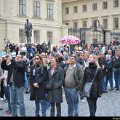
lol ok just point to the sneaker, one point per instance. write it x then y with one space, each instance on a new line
5 101
83 101
27 92
18 106
8 112
116 89
1 108
105 91
1 98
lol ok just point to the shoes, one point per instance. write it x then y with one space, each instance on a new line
8 112
104 91
83 101
1 108
1 98
5 101
111 89
27 91
116 89
18 106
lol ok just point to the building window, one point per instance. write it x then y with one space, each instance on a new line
67 24
116 23
22 37
49 37
22 7
50 11
36 9
105 23
75 25
95 41
67 10
75 9
94 6
105 5
84 24
95 24
116 3
84 8
36 36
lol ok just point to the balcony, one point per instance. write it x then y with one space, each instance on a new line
64 1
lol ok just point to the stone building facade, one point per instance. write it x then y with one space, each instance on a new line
83 13
45 16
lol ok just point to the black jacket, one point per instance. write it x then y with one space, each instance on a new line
18 73
40 78
116 62
97 83
102 61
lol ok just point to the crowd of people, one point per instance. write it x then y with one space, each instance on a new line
47 75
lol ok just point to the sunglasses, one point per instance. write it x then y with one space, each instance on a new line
37 58
71 57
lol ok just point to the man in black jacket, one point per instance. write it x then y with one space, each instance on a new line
102 63
116 68
15 80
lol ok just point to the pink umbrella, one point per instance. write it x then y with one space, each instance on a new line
70 40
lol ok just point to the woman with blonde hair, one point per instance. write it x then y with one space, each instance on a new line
96 89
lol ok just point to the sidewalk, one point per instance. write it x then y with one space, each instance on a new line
108 105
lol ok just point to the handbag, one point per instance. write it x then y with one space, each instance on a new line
88 85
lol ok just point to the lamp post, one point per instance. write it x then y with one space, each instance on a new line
96 26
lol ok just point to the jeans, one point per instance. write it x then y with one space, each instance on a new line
43 107
110 79
117 78
26 81
72 98
16 94
47 103
7 95
92 106
104 83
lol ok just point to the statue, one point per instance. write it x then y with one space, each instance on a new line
28 30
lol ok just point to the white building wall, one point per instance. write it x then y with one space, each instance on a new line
10 12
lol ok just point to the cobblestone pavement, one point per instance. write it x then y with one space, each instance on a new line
108 105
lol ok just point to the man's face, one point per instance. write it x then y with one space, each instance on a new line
109 52
19 58
72 60
118 53
102 55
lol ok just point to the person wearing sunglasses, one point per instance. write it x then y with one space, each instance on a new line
38 77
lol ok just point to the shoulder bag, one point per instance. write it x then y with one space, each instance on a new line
88 85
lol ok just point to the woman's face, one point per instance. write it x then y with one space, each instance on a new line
37 59
91 59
